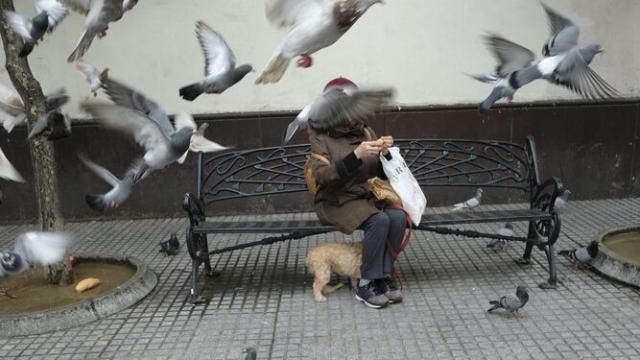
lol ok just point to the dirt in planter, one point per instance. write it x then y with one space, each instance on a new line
29 291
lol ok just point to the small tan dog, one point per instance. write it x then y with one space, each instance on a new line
342 258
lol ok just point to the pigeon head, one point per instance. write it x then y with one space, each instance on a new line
40 24
522 293
479 192
10 261
181 140
593 249
241 71
589 52
342 83
508 226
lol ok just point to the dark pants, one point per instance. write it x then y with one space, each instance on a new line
389 224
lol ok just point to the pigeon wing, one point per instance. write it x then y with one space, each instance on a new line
89 71
80 6
574 73
200 143
184 120
42 248
20 24
564 33
300 122
511 56
128 97
334 107
219 57
557 22
288 13
56 11
103 173
146 131
10 102
7 171
510 302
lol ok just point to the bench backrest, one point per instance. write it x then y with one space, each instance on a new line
235 174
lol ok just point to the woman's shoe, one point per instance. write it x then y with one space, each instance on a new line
372 296
390 290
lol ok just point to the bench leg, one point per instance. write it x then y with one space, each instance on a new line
195 297
552 283
526 257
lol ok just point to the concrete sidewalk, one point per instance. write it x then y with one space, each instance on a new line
263 299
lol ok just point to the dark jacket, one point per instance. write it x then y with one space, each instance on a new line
343 198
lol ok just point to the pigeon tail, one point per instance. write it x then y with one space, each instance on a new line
496 305
191 92
96 202
495 95
274 70
81 48
27 48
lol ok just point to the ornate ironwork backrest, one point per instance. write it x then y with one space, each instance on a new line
438 162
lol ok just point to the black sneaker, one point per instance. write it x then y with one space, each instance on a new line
390 290
371 296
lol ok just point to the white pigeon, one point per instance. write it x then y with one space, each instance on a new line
500 244
220 69
34 249
469 204
92 74
149 124
560 204
99 13
312 25
7 171
49 13
11 109
121 188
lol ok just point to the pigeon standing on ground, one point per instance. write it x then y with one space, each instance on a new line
312 25
560 203
500 244
581 255
49 13
34 249
7 171
171 246
93 75
99 14
511 303
11 109
250 353
121 188
565 63
220 65
469 204
138 115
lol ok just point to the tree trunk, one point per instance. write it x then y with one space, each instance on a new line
42 152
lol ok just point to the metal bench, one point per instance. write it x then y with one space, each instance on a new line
436 163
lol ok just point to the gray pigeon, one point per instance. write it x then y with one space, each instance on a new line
560 204
312 25
99 13
469 204
500 244
338 106
92 74
121 188
511 303
7 171
582 255
52 119
141 117
220 68
565 63
250 353
49 14
34 249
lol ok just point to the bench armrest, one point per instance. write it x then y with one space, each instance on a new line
194 208
544 195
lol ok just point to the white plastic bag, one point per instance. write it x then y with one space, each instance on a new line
404 184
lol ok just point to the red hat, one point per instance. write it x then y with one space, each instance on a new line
341 83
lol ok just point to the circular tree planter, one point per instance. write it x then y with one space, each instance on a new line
125 281
619 255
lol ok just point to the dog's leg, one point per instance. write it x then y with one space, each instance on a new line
322 277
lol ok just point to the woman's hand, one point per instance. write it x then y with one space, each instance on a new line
368 148
387 142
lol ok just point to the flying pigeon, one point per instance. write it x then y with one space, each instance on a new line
34 249
171 246
564 63
500 244
121 188
138 115
11 109
92 74
312 25
220 69
49 13
99 13
581 255
510 302
52 119
469 204
560 203
7 171
337 106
